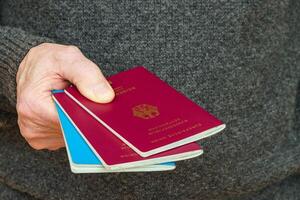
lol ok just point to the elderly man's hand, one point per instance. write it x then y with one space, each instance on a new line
47 67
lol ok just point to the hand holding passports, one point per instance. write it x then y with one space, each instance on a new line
147 123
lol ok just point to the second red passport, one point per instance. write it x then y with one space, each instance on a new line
149 115
112 152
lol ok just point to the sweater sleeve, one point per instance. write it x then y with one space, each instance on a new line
14 44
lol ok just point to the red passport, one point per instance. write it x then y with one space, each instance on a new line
112 152
149 115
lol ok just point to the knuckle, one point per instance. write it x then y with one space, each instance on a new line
22 105
71 49
38 47
21 109
43 50
36 145
68 53
27 134
43 54
32 51
45 44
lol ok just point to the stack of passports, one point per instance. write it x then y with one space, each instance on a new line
147 127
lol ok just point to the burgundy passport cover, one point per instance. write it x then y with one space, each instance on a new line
149 115
113 153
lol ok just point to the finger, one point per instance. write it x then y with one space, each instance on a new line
89 80
30 132
42 124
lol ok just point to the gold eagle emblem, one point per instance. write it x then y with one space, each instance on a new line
145 111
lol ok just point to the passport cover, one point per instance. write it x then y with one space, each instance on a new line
81 157
149 115
111 151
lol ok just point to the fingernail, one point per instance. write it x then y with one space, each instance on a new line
103 91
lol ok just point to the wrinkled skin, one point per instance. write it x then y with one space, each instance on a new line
47 67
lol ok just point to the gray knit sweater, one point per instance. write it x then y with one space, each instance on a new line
238 59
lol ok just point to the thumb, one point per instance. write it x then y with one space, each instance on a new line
90 81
